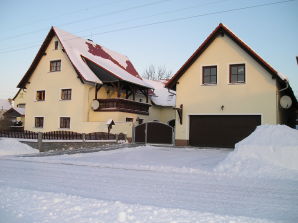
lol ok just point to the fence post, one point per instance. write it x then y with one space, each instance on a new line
39 142
133 133
146 127
116 135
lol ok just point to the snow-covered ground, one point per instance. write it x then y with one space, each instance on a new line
152 184
14 147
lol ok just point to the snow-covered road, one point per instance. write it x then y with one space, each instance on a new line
269 198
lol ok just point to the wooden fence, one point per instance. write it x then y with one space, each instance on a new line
63 135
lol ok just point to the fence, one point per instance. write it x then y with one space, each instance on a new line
63 135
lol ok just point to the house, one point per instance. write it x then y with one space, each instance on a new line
76 85
224 90
16 116
5 104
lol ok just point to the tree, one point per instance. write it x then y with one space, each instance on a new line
161 73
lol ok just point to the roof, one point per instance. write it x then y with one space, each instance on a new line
16 112
161 95
21 111
221 30
4 104
77 48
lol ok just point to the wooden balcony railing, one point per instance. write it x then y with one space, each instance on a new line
123 105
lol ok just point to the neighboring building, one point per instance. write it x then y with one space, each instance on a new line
16 116
76 85
5 104
224 90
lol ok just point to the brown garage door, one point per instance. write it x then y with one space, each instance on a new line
221 130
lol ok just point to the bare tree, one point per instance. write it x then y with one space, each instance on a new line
160 73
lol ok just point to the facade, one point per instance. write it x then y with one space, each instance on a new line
76 85
224 90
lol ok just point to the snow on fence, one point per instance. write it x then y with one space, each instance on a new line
63 135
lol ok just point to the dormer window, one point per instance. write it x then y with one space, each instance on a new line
209 75
55 65
56 45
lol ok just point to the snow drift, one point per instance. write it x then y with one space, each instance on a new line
14 147
268 148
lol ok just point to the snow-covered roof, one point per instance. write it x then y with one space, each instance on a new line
161 95
4 104
115 63
21 111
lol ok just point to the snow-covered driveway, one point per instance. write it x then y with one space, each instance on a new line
152 184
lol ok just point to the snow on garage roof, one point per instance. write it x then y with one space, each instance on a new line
115 63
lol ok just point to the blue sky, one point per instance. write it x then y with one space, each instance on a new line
270 30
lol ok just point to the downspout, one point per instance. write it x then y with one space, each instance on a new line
286 87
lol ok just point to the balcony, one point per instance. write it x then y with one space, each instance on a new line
122 105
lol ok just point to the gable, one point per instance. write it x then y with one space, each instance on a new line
41 52
221 30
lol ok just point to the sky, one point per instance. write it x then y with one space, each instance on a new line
158 32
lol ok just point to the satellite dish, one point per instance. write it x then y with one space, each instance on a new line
95 104
285 102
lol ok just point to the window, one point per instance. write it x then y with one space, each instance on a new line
55 65
210 75
237 73
64 122
40 95
56 45
141 121
38 122
129 119
66 94
21 105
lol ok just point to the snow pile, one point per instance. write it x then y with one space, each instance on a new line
14 147
269 149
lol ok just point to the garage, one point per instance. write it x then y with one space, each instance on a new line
222 131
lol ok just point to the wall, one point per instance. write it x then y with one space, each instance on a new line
257 96
20 98
52 82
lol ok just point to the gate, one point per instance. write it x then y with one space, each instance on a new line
153 133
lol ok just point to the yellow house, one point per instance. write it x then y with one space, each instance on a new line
224 90
76 85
